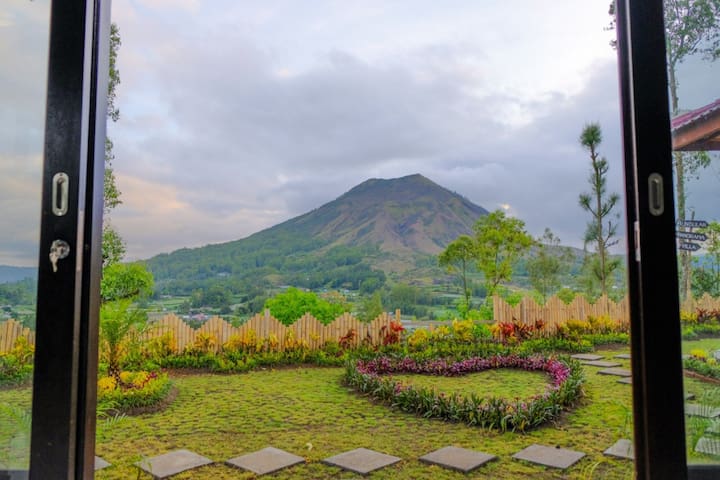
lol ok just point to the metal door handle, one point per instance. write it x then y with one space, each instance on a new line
60 187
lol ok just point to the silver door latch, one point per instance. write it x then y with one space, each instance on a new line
58 250
60 187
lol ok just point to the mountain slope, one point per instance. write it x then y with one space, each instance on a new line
389 225
410 214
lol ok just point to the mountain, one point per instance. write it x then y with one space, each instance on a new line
410 214
379 227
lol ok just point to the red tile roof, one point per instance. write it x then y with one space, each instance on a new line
697 130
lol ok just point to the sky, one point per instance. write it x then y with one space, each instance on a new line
238 115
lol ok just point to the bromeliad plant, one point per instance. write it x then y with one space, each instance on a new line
373 378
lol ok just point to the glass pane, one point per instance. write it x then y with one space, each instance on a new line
23 49
695 109
238 116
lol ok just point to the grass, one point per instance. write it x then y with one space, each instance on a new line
14 425
307 411
225 416
707 344
505 383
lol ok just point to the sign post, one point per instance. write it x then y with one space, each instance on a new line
687 239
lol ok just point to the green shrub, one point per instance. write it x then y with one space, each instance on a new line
135 389
554 344
707 367
607 338
16 366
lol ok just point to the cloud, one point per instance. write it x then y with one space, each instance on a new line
234 124
236 116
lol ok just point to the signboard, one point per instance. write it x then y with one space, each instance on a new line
700 237
689 246
693 224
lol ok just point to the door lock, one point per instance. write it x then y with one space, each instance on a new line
58 250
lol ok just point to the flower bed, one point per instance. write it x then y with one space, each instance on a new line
703 365
373 377
135 392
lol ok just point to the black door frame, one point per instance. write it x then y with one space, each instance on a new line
658 398
64 385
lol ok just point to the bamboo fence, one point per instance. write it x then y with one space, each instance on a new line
10 331
555 312
306 329
309 330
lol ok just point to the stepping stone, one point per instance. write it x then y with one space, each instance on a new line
709 446
586 356
456 458
622 448
361 460
172 463
626 380
549 456
624 356
267 460
100 463
697 410
602 363
620 372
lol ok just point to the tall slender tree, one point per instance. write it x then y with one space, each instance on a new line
113 246
600 205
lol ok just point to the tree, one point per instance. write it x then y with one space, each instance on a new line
126 281
692 27
371 307
121 320
292 304
706 274
500 242
457 257
404 296
600 205
113 246
548 265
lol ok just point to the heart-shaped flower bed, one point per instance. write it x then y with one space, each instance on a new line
373 377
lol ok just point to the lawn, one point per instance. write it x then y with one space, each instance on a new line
308 412
707 344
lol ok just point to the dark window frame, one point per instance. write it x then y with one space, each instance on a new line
658 398
62 439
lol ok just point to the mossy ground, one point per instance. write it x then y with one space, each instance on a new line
225 416
307 411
